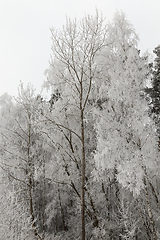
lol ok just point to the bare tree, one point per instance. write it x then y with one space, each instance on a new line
72 71
19 156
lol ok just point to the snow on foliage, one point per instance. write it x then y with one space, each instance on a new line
126 135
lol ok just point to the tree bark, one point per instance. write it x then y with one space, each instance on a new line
150 211
82 180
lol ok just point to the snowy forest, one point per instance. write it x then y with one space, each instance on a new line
84 163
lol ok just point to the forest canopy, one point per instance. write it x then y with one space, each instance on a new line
85 163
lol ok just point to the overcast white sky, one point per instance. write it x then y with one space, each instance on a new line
25 36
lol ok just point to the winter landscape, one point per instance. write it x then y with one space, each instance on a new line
83 162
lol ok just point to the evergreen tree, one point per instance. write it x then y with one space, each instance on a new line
154 91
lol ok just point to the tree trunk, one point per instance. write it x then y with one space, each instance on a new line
150 211
62 212
82 180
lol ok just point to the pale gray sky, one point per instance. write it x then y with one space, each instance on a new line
25 36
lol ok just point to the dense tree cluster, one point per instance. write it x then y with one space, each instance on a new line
153 92
85 163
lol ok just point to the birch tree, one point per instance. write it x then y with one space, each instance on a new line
20 153
126 135
72 71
